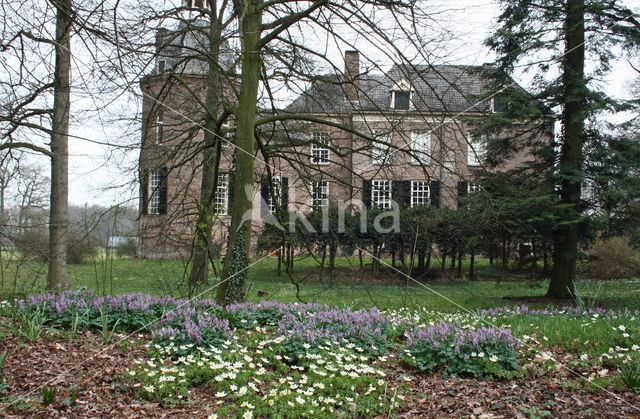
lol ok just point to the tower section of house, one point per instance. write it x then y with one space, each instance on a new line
172 140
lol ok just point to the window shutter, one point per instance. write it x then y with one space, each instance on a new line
264 195
163 191
230 194
284 182
144 192
366 193
462 188
435 193
401 193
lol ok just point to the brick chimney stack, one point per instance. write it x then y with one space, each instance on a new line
352 72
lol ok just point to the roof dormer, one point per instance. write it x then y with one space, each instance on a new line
402 96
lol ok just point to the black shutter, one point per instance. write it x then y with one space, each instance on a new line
434 193
144 192
366 193
230 194
162 208
401 193
284 202
462 188
406 194
264 195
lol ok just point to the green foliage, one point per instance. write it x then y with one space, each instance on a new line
3 382
32 323
48 395
630 376
34 246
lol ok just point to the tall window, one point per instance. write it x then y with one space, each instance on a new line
320 149
160 126
421 147
155 191
476 150
381 194
419 193
221 204
380 152
275 198
161 65
320 194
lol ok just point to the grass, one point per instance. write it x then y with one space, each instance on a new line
349 287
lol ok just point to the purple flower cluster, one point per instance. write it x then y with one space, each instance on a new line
558 311
366 328
83 300
188 324
444 333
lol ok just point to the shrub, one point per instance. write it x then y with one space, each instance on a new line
129 248
613 258
79 249
34 245
484 351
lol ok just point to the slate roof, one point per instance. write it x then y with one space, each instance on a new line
440 88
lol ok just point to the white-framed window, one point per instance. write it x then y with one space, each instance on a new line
320 194
419 193
320 149
402 96
155 182
473 187
381 194
476 149
221 204
275 196
380 149
421 147
160 127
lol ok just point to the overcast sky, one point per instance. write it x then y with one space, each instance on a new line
103 175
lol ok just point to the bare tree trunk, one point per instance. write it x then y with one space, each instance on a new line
236 260
471 263
58 216
210 163
565 249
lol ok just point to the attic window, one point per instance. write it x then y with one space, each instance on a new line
401 95
161 66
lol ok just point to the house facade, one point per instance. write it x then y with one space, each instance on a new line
404 136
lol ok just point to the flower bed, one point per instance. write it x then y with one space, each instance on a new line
484 351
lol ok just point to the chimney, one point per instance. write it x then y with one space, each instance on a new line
161 39
352 72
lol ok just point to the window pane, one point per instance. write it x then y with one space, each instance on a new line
320 194
222 195
155 179
380 149
381 194
277 192
320 154
419 193
421 146
401 100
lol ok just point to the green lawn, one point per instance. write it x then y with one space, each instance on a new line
349 287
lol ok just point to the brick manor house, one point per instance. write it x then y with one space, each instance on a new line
414 148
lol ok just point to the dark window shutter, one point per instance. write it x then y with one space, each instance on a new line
401 193
230 194
144 192
264 195
406 194
163 190
285 193
462 188
434 192
366 193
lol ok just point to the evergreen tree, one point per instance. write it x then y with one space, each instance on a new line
552 38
